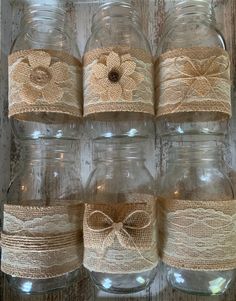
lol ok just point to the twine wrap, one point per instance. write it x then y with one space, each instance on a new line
199 235
120 238
194 80
44 81
118 79
42 242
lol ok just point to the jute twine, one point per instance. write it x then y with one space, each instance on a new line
42 242
194 79
198 235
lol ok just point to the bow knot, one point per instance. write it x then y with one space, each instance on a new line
117 226
126 231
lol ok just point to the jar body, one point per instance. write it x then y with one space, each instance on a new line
120 180
47 181
194 175
116 43
45 77
185 19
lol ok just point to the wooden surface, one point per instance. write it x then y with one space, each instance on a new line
80 14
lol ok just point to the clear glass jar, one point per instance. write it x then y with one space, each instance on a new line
44 28
184 19
116 27
47 177
196 173
120 178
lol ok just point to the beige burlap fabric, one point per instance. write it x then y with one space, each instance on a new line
42 242
194 80
120 238
118 79
198 235
44 81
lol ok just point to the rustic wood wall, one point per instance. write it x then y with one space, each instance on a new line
80 13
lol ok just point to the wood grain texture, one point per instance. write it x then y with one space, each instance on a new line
80 13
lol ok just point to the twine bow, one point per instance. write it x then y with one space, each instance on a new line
99 222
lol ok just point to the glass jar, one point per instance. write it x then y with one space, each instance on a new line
118 72
120 217
44 201
192 72
45 76
195 193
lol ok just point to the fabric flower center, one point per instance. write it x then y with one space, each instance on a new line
114 76
40 76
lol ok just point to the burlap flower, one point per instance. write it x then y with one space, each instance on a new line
40 79
114 77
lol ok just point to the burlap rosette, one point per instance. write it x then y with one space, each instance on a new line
198 235
193 79
118 79
42 242
44 82
120 238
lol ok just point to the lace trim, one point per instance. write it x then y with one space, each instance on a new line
199 235
44 81
120 238
194 79
118 79
42 242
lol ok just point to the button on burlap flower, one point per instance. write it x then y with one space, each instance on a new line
40 78
114 77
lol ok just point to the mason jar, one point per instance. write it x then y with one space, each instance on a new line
192 72
120 221
45 76
42 241
197 201
118 73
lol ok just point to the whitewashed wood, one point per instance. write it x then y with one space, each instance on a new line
80 14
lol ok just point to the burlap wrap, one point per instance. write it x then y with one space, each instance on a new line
44 81
198 235
42 242
194 80
120 238
118 79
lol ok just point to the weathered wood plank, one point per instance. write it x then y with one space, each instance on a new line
80 14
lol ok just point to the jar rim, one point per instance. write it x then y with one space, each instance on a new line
133 15
44 12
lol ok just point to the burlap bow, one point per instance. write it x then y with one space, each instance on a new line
126 231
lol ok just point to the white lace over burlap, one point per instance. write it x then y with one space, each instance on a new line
199 235
44 81
42 242
194 80
120 238
118 79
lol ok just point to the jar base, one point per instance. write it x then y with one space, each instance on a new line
123 283
39 286
202 283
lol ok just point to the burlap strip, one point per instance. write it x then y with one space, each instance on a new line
198 235
44 81
194 79
42 242
118 79
120 238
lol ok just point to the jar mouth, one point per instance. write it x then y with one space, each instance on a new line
187 8
44 13
117 9
118 148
